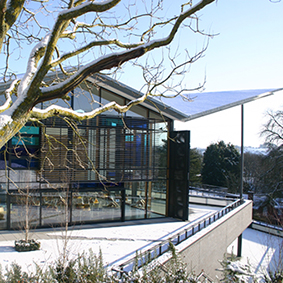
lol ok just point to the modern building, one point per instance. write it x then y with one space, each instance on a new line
111 168
114 167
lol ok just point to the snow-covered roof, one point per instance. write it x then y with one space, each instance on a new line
197 105
183 108
192 106
130 93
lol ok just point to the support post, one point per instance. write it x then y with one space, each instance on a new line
239 252
242 152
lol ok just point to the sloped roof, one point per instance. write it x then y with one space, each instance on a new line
195 106
201 104
130 93
179 108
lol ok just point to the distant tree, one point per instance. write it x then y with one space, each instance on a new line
252 171
273 129
221 166
195 166
272 177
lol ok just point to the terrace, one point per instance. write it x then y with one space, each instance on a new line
201 241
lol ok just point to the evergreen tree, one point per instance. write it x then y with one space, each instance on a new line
221 166
195 166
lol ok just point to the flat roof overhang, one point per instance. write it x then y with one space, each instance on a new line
177 108
203 104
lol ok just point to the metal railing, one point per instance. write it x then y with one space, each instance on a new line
154 252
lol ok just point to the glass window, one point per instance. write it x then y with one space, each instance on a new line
3 207
54 207
24 149
24 204
96 206
135 200
137 111
156 194
25 141
106 97
29 130
155 115
59 102
111 121
56 131
86 99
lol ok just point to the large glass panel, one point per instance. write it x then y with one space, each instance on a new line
156 205
86 99
25 141
3 207
55 208
145 200
30 130
107 96
96 206
137 111
25 179
58 102
55 154
25 209
3 158
24 149
135 200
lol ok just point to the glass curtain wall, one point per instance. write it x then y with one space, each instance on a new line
112 167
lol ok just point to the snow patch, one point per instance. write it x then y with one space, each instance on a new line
4 120
31 66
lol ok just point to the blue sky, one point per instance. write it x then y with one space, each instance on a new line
246 54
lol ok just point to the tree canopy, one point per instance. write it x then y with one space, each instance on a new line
195 166
221 166
79 38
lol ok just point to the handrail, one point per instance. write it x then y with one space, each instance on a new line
163 247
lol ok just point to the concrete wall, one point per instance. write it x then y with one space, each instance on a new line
204 250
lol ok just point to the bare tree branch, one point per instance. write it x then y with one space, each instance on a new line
91 34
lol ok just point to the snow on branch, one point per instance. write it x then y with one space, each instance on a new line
115 59
55 110
87 7
8 93
36 53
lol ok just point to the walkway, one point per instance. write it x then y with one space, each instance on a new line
117 241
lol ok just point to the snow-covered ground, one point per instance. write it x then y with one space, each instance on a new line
264 252
120 242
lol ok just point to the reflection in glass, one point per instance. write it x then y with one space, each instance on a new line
54 208
3 207
24 203
96 206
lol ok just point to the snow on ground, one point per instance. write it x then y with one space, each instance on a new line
263 251
119 242
115 243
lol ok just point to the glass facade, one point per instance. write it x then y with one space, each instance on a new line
110 168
